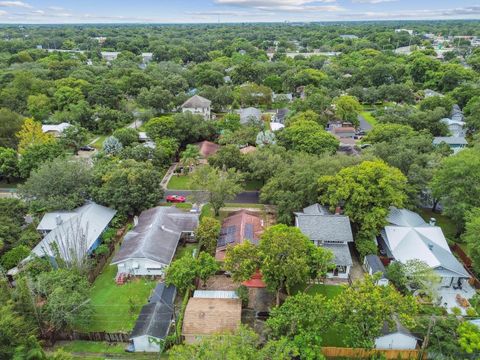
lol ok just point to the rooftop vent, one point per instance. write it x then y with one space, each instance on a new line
433 221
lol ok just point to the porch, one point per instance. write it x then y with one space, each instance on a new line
448 296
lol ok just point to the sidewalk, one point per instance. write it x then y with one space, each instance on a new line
168 176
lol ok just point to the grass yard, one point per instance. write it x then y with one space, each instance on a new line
369 118
329 291
448 225
179 182
96 350
98 144
116 307
184 250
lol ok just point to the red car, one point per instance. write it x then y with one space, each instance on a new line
175 199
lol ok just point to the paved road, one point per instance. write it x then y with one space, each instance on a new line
246 197
364 125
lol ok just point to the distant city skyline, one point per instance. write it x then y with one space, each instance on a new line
213 11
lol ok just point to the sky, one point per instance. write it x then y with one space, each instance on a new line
213 11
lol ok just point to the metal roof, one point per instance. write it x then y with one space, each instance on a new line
450 140
215 294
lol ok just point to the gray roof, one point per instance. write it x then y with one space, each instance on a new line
196 101
375 264
318 224
280 115
249 114
397 328
450 140
341 254
156 235
75 231
155 318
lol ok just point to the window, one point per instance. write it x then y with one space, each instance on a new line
154 269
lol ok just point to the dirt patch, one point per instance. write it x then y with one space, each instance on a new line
221 282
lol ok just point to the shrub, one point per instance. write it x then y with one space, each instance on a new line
456 311
108 235
102 250
242 292
11 258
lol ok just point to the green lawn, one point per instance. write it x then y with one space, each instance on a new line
186 249
329 291
179 182
96 350
116 307
5 185
448 225
99 143
369 118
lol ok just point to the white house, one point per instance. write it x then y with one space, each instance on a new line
153 323
455 143
73 234
332 232
250 114
150 246
373 265
198 105
409 237
398 338
56 130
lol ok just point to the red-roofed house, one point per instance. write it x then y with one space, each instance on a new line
207 148
344 132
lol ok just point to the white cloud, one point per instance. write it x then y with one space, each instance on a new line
284 5
372 1
18 4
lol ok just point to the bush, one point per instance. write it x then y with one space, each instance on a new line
242 292
119 220
456 311
102 250
471 312
11 258
108 235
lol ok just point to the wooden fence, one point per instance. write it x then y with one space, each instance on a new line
93 336
357 353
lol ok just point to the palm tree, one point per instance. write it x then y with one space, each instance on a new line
190 156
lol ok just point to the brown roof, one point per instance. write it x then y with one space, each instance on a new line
248 149
205 316
344 129
237 227
207 148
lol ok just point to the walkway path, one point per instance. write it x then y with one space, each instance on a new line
364 124
168 176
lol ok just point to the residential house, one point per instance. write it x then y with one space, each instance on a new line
332 232
275 126
236 228
207 148
73 234
429 93
150 246
456 144
344 132
249 115
209 316
280 116
398 338
55 130
409 237
288 97
455 127
154 322
373 265
110 55
198 105
404 30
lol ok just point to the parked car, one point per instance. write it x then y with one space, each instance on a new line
175 199
87 148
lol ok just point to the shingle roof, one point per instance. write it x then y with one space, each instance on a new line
74 236
320 225
375 264
156 235
410 237
196 101
238 226
248 114
211 316
341 254
207 148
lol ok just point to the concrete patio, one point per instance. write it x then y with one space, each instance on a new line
448 296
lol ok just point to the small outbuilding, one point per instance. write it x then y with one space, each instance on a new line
373 265
398 338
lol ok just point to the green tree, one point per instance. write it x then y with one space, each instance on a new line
8 164
14 329
472 113
365 192
126 136
207 234
74 137
452 184
242 261
347 108
12 257
471 236
36 155
181 273
10 125
206 266
161 127
31 134
387 133
127 186
309 137
58 184
364 308
190 156
284 261
220 186
469 337
39 106
228 157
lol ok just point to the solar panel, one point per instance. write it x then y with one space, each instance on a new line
227 236
248 234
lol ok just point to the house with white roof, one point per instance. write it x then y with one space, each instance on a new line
455 143
330 231
409 237
56 130
198 105
73 234
250 114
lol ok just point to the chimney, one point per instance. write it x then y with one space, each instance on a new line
338 210
433 221
58 220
